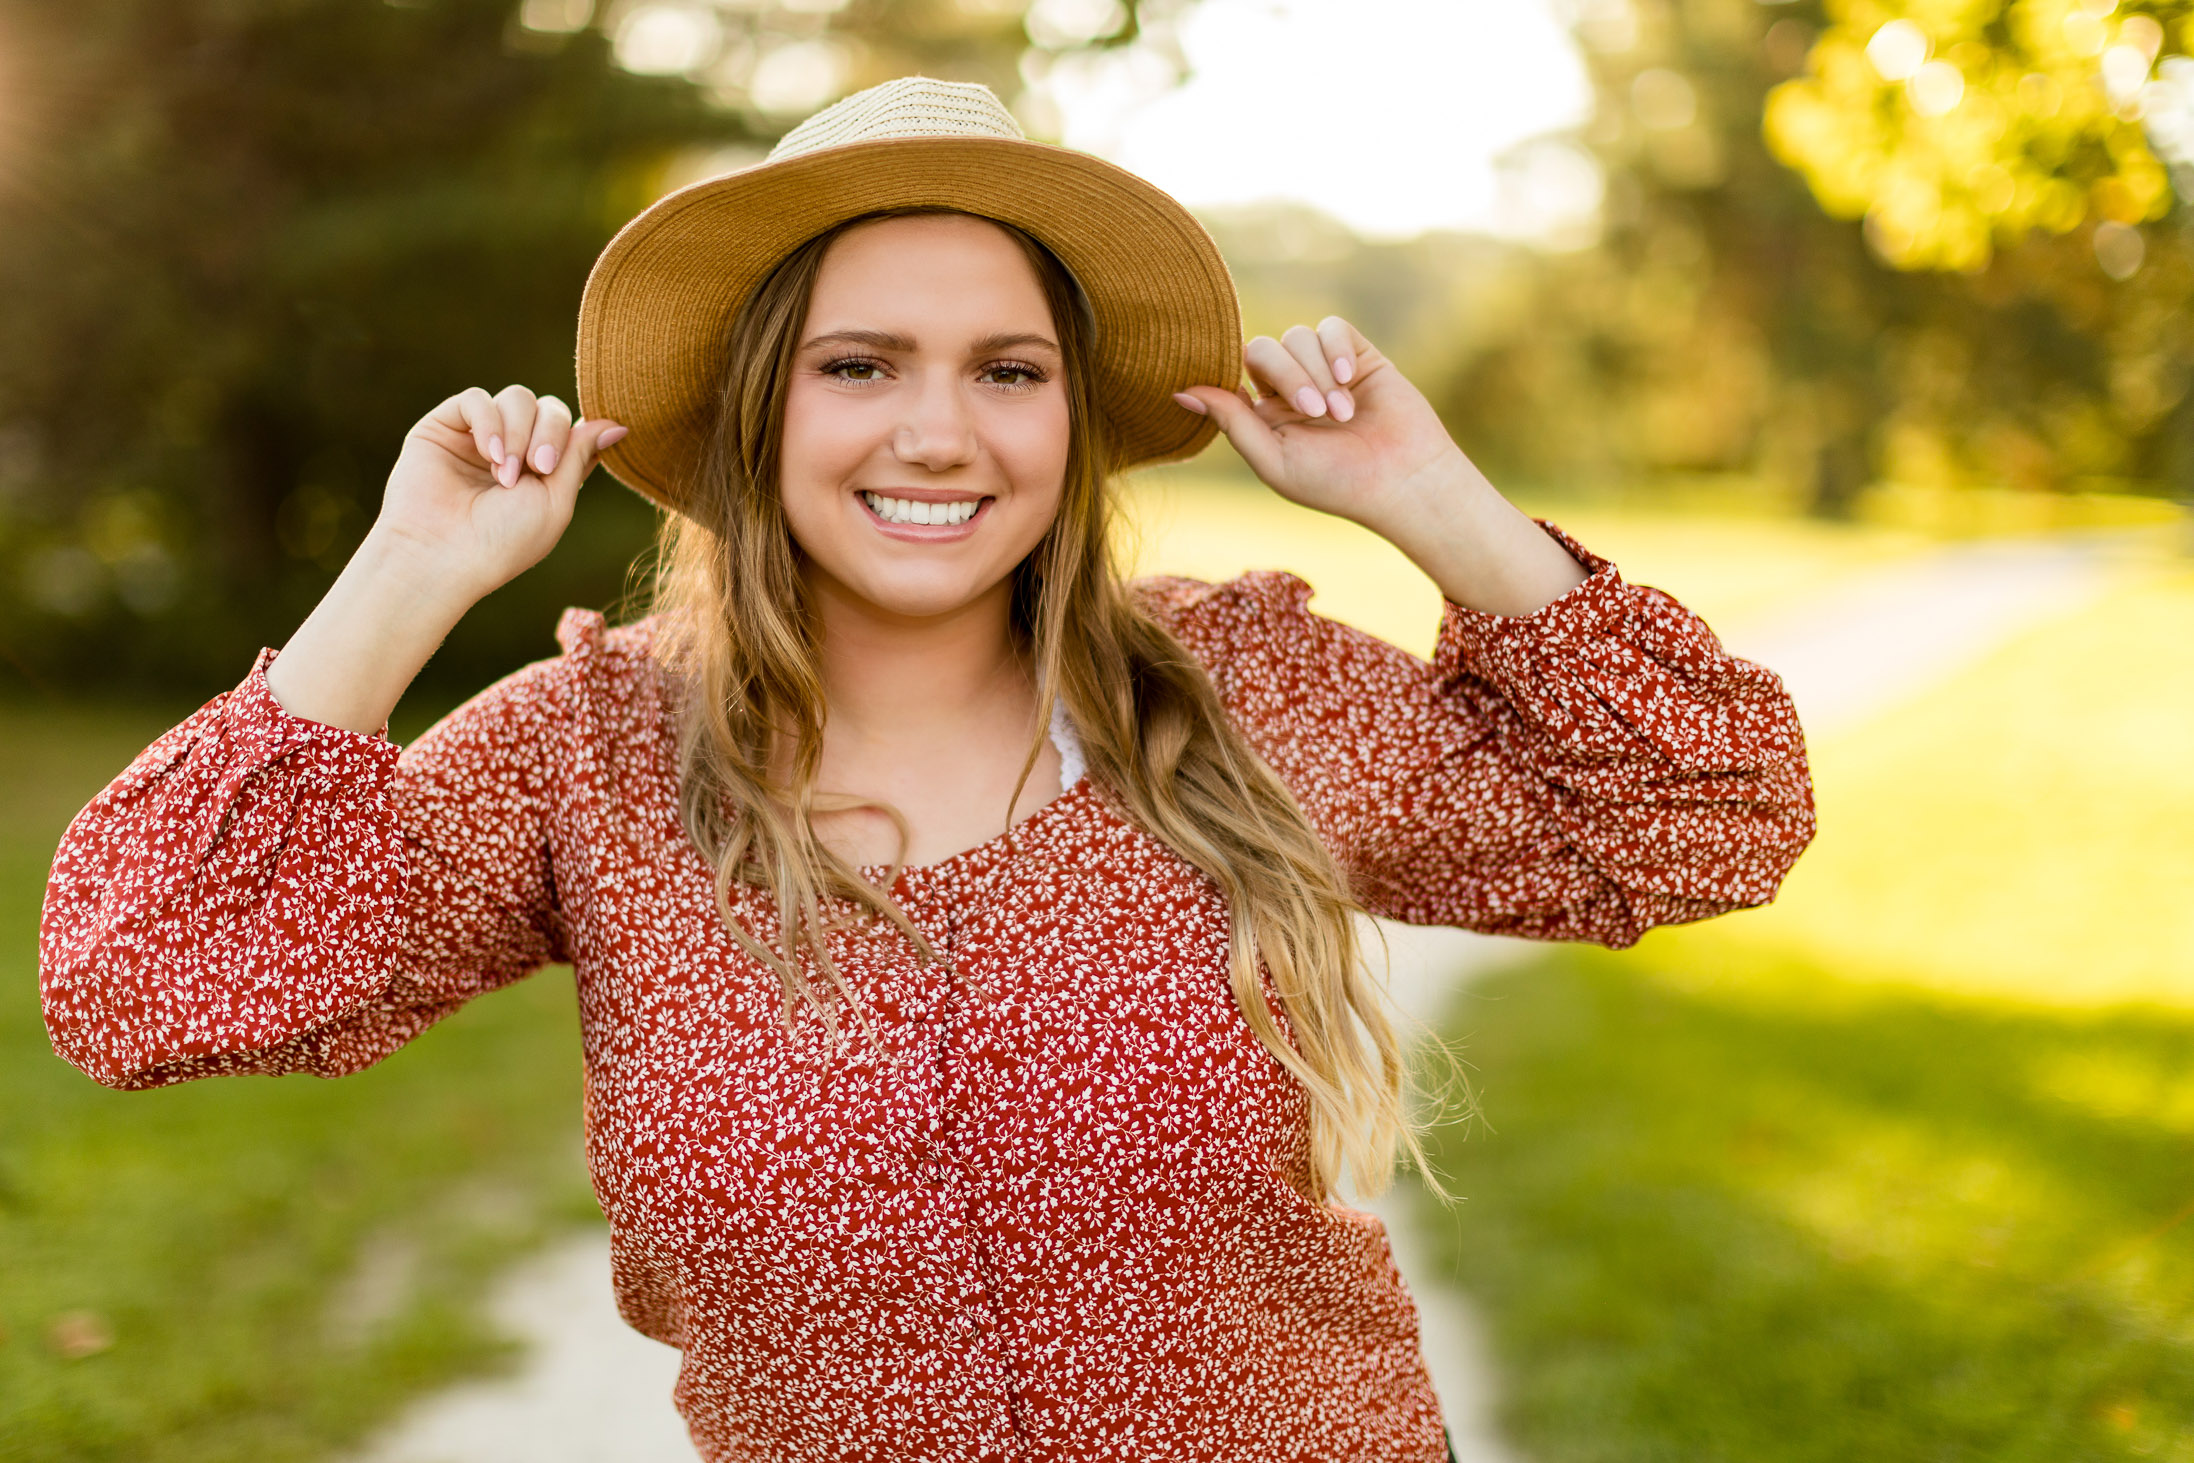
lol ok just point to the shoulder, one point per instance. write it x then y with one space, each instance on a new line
1197 608
604 681
609 675
1255 634
592 647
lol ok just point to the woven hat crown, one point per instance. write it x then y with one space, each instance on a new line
910 106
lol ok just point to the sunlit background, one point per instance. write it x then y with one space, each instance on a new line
1861 326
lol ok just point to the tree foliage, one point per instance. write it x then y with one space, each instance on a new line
244 244
1729 322
1949 125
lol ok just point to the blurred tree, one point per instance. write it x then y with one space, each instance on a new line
244 244
1728 322
1948 126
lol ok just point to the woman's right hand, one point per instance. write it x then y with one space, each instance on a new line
485 485
482 490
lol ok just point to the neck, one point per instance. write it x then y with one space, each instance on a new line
908 681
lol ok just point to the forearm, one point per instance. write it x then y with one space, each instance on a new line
383 618
1478 547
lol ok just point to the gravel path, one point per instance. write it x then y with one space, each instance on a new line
594 1391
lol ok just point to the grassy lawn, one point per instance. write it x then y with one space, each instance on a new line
1869 1224
1903 1166
2021 832
250 1268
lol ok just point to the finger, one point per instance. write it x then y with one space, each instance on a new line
1251 435
1344 346
1278 373
1309 351
582 449
519 408
551 436
471 416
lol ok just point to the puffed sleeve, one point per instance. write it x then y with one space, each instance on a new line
1582 773
262 893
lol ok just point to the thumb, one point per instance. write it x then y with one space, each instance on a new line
1256 442
581 451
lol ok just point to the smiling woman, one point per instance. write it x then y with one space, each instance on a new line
964 935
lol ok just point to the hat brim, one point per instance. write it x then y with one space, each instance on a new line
660 300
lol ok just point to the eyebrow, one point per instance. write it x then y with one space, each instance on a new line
885 340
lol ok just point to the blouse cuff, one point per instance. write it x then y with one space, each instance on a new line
1613 669
1474 641
258 732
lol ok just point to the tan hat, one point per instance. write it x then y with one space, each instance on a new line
660 300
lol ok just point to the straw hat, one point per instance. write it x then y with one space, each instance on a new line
660 300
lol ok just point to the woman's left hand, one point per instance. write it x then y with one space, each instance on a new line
1336 427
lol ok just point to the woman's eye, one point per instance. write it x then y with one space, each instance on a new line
1012 375
854 370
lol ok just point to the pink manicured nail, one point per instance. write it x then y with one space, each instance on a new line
611 437
544 459
1343 405
495 450
1344 367
1187 402
506 471
1309 402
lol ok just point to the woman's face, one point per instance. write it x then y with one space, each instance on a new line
925 434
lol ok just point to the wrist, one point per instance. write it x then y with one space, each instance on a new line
350 661
1428 506
398 569
1479 548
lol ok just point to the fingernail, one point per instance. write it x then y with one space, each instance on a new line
544 459
1309 402
611 437
495 450
1344 368
1343 405
1187 402
506 471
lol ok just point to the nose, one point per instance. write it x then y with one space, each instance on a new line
937 432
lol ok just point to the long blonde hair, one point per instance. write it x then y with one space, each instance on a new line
738 634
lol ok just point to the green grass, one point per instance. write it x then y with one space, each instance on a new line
1897 1168
2021 830
1864 1224
278 1262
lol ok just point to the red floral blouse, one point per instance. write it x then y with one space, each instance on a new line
1041 1211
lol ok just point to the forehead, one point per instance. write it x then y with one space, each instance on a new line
945 269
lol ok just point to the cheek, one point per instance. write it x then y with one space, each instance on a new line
1031 448
822 436
822 444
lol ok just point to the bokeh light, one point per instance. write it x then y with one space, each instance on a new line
1391 115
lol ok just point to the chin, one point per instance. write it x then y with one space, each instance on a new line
924 592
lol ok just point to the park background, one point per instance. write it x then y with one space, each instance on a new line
1789 308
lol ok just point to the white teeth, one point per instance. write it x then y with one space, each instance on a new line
909 510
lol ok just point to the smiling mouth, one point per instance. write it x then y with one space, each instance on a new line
915 511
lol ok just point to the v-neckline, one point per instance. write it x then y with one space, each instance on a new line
990 848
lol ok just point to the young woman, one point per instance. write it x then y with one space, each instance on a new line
974 1024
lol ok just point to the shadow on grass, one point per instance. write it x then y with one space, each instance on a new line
250 1267
1785 1219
